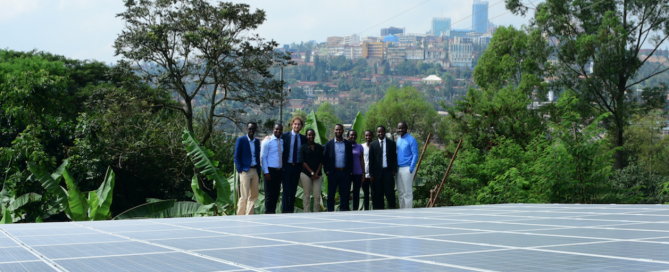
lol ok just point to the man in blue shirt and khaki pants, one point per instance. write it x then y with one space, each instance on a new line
407 157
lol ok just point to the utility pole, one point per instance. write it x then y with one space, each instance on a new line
281 107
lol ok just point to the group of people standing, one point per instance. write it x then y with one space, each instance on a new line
286 159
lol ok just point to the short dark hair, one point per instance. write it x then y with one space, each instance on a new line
342 126
404 123
278 124
252 123
384 128
349 132
370 131
305 133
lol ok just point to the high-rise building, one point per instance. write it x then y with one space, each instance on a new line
480 16
441 25
391 31
460 52
372 50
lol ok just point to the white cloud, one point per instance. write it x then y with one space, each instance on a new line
14 8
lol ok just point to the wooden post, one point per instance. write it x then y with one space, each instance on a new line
446 175
421 156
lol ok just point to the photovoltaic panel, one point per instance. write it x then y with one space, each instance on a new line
507 237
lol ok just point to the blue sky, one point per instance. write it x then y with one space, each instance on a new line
86 29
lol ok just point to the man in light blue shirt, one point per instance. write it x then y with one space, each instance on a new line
272 166
407 157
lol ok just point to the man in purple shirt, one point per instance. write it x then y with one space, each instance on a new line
407 157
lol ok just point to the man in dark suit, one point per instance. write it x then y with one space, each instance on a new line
247 161
338 166
382 169
292 164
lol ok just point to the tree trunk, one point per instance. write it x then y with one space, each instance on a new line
619 156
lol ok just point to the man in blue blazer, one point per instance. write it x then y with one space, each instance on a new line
292 163
247 161
338 166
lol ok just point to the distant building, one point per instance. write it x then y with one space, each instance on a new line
372 50
371 39
353 52
391 31
396 53
415 54
460 52
484 41
333 41
460 32
441 26
352 39
431 79
480 16
391 38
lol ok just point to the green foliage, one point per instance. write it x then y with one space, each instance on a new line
326 114
359 126
202 158
319 128
405 104
146 210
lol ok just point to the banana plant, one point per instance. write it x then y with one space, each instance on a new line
203 160
77 205
170 208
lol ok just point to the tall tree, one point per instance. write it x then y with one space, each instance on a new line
204 53
597 44
405 104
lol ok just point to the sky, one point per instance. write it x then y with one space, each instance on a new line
86 29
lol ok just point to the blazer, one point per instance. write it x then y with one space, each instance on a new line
376 157
286 137
329 157
243 154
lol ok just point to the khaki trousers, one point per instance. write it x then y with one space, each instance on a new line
308 185
248 191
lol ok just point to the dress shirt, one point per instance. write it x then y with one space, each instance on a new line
340 154
366 149
252 143
385 159
269 153
294 137
407 152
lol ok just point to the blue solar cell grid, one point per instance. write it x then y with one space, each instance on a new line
507 237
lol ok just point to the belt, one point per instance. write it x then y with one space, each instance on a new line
272 168
339 169
294 164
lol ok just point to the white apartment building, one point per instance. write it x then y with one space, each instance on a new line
415 54
461 52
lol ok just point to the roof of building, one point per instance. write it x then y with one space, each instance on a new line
432 78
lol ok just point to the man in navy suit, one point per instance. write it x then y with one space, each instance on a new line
338 166
292 163
247 161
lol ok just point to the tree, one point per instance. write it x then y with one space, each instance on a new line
645 143
597 45
326 114
508 74
405 104
204 53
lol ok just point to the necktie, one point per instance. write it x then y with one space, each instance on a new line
295 150
278 143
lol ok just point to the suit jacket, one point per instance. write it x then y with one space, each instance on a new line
243 154
329 157
376 157
286 137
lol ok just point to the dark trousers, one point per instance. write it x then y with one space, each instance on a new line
384 186
272 190
366 186
357 182
341 180
291 178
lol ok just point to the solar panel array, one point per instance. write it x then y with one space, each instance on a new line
509 237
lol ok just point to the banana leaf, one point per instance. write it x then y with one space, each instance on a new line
104 194
299 198
23 200
77 202
359 127
202 158
145 210
6 217
318 127
184 209
198 194
49 183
